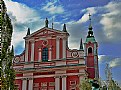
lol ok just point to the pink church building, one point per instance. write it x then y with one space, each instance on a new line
47 63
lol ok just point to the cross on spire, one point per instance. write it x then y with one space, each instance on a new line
89 16
90 26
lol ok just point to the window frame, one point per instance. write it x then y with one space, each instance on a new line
45 55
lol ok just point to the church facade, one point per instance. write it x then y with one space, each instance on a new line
47 63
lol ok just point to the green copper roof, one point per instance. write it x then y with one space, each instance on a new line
90 39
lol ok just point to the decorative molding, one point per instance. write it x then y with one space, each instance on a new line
32 40
26 41
45 43
17 59
64 76
74 54
57 76
30 78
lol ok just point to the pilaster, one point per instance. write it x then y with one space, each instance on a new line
57 47
50 53
64 82
32 50
57 83
26 50
64 47
30 84
24 84
40 55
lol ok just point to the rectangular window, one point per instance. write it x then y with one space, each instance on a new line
51 88
36 88
72 88
45 54
44 84
43 88
72 85
36 84
17 86
72 82
51 83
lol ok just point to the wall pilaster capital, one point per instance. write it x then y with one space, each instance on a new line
64 76
26 41
57 77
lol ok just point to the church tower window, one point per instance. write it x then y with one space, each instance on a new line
89 50
45 54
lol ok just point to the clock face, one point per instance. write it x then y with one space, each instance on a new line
74 54
17 59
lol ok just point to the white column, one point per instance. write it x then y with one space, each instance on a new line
30 84
57 48
64 47
82 75
26 50
24 84
64 83
81 78
32 51
40 55
57 83
50 54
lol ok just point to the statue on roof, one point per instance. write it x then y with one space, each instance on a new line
46 23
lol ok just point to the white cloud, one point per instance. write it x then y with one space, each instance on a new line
115 62
22 12
53 9
85 17
112 61
111 21
18 38
105 58
22 17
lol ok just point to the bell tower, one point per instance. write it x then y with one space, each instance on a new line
91 55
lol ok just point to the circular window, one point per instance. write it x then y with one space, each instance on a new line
17 59
74 54
45 42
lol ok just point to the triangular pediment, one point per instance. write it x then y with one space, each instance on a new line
45 32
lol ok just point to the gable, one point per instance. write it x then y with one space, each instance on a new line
45 32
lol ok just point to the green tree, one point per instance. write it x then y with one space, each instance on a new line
111 84
7 72
85 85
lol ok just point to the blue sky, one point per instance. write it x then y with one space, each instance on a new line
106 24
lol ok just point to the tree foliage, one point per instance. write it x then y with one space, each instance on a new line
85 85
6 71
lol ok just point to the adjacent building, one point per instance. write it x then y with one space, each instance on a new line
47 63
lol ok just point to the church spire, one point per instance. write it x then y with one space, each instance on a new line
28 32
90 25
81 45
64 28
90 32
12 51
90 36
46 23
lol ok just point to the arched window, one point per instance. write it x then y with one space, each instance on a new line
89 50
45 54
